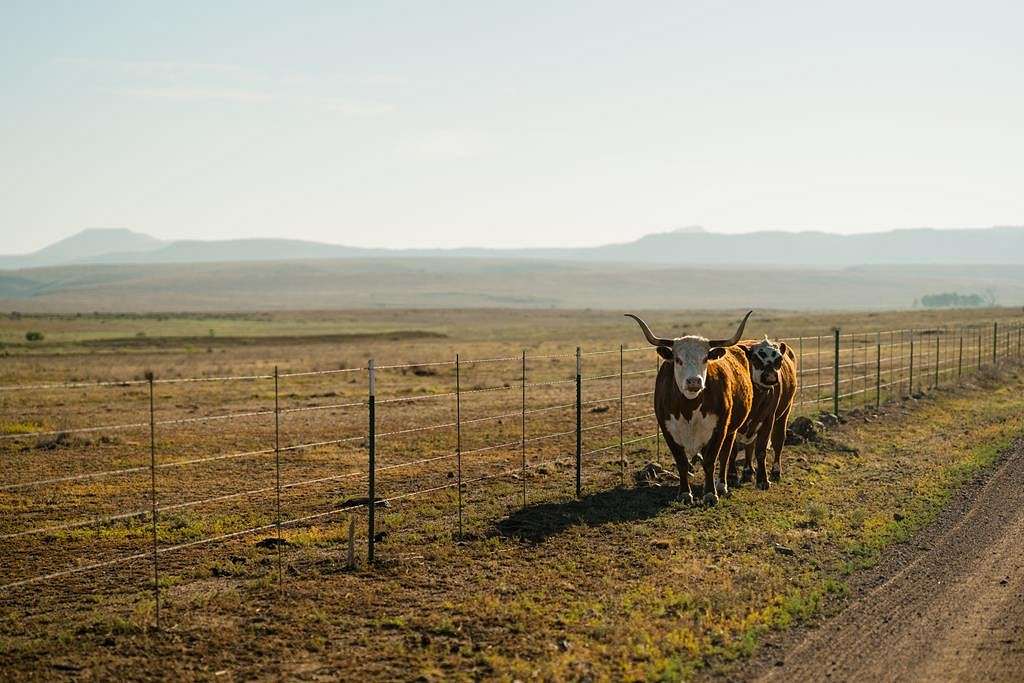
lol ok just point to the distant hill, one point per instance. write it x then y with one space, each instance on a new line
85 245
361 283
686 247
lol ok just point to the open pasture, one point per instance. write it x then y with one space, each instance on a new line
233 454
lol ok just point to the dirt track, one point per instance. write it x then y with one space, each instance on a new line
948 605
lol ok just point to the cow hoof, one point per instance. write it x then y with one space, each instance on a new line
721 488
686 498
764 485
735 483
748 475
776 475
710 499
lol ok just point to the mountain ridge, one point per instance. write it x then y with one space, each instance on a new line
995 245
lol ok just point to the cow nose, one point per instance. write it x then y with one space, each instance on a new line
694 384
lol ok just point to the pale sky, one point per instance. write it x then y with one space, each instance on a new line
550 123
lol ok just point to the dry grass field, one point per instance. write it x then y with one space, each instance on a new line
620 583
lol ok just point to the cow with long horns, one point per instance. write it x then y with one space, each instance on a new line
701 397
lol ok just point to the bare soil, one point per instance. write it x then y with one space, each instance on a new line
946 605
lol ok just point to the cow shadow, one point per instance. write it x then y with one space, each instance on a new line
540 521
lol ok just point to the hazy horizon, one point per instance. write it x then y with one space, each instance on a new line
571 124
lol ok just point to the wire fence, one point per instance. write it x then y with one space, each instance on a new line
422 440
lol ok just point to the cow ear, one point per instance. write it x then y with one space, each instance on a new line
782 348
716 353
665 352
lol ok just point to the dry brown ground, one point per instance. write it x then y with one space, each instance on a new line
562 582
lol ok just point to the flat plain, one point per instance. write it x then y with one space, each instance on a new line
622 582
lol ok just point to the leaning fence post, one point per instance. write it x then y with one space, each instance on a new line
371 500
458 439
522 447
835 374
579 425
152 495
277 468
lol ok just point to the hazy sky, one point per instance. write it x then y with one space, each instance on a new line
506 124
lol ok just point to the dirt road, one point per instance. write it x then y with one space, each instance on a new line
947 606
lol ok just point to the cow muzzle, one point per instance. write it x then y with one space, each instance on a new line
693 385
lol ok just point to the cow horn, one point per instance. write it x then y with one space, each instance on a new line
655 341
735 337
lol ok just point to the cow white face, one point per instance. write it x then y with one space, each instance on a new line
765 362
689 357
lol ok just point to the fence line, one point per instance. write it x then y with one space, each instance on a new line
861 366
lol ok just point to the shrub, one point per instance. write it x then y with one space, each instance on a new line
34 336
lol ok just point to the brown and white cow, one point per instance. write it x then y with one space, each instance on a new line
701 397
773 375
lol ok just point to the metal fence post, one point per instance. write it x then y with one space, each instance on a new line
657 427
371 500
817 389
935 382
522 447
152 495
911 382
960 358
277 468
878 371
995 340
622 447
579 426
458 439
835 378
800 372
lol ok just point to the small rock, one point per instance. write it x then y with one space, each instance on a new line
898 516
828 419
783 550
662 543
803 429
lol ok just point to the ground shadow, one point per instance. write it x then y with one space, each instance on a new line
539 521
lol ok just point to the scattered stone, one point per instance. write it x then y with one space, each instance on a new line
898 516
783 550
662 543
653 475
803 429
828 419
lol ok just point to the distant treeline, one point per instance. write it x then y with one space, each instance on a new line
957 300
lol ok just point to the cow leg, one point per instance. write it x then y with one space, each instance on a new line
724 458
715 450
683 466
748 469
778 441
761 446
734 479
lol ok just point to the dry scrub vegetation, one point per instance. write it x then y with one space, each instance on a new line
622 583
